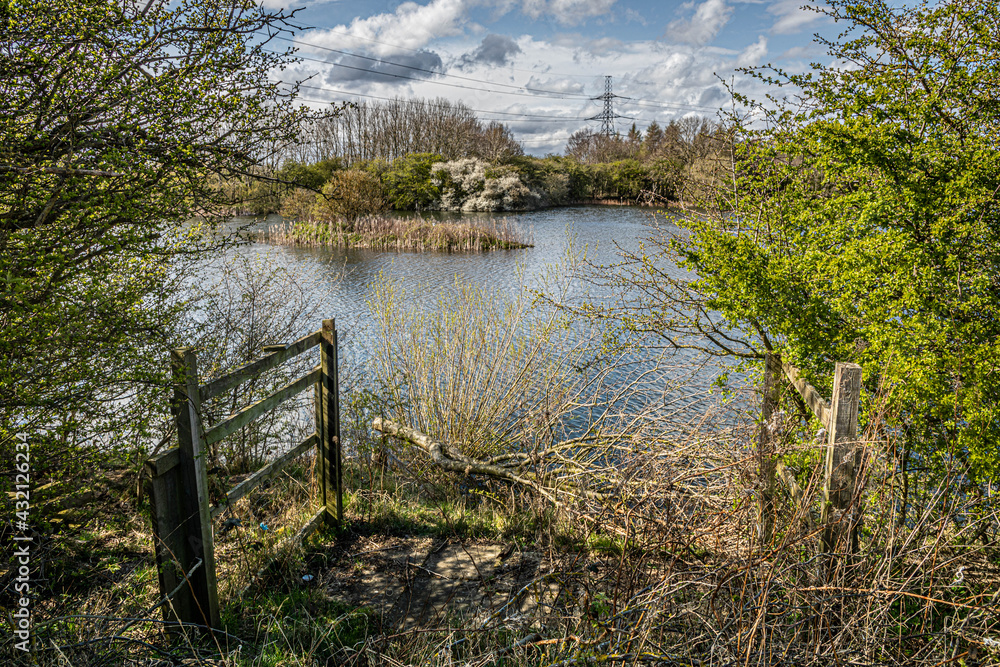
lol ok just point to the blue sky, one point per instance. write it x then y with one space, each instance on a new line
536 63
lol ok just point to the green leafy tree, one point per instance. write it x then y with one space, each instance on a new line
408 182
119 122
312 176
866 226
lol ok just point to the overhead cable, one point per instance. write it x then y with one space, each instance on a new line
392 99
407 48
430 71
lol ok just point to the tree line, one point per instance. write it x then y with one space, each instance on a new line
386 130
436 155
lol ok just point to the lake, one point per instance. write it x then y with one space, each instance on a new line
339 281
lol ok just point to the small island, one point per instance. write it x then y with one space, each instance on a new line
382 232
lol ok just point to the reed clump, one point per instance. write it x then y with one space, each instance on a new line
380 232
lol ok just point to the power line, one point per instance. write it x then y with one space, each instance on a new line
541 142
437 83
541 91
433 104
392 99
527 117
429 71
531 92
406 48
656 103
547 117
607 117
669 105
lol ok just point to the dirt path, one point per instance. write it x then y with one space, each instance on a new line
415 582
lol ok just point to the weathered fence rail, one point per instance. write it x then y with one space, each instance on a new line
839 416
182 514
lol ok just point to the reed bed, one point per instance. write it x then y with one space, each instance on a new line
395 233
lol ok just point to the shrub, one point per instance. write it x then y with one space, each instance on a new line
298 204
311 176
349 195
471 185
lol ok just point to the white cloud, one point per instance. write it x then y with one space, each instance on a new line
567 12
411 26
556 84
632 15
708 19
801 52
753 54
494 50
602 46
791 18
684 79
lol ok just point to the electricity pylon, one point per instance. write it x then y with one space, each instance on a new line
607 117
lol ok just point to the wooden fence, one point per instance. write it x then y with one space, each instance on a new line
181 511
839 416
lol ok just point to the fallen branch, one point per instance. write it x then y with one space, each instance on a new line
450 459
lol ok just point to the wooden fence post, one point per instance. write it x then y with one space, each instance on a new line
199 600
842 456
765 445
322 476
328 426
170 549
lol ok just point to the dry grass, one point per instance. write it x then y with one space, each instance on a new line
671 572
398 233
674 572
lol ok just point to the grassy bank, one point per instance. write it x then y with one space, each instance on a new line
395 233
670 572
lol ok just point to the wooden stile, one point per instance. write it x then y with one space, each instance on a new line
264 474
329 425
339 459
843 456
169 547
255 411
182 514
180 505
255 368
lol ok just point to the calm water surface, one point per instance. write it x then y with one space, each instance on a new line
348 273
339 280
